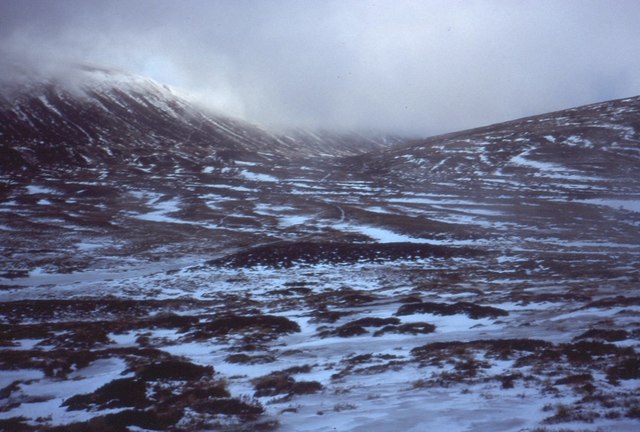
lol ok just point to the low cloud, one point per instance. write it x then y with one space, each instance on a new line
414 67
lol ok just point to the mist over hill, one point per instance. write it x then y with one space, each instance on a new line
100 117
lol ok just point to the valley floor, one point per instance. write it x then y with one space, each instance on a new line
321 305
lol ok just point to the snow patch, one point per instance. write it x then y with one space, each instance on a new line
258 177
632 205
35 190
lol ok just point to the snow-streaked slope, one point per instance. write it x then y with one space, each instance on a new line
570 150
105 118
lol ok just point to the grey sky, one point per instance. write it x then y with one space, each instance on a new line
419 67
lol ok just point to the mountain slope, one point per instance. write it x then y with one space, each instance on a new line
569 148
109 119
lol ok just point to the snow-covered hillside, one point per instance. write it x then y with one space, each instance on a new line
167 269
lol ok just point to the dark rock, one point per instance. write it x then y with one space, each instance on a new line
173 370
473 311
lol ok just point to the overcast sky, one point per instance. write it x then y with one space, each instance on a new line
417 67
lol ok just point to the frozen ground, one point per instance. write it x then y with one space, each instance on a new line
348 315
485 281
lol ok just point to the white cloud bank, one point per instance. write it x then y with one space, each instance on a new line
416 67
